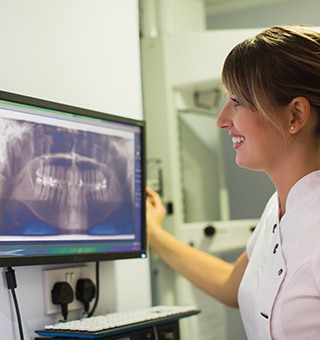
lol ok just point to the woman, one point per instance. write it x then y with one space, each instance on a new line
272 115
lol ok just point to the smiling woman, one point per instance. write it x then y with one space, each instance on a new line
257 141
272 84
272 115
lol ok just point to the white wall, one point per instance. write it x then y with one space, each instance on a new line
84 53
75 51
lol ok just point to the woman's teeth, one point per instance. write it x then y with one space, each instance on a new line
239 139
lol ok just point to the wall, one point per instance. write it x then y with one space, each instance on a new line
75 52
86 54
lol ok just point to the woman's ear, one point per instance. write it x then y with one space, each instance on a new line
299 114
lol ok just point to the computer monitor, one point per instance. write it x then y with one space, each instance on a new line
72 184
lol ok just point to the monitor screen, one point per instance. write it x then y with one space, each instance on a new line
72 184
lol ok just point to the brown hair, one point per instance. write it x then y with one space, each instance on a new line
273 68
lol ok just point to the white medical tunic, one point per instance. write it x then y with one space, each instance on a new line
279 295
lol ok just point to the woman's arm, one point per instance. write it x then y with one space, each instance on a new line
214 276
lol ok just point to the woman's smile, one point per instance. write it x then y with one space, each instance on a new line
237 141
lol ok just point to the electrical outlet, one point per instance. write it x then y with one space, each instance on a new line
70 275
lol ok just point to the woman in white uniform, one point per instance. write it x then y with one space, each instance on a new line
272 115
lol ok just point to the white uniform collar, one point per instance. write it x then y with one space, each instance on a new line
303 187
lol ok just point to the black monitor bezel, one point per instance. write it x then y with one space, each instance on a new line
26 260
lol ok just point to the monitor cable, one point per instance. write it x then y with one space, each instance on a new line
12 284
97 290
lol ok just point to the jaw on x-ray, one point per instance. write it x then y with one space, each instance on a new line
57 180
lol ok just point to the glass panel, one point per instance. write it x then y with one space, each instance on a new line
204 190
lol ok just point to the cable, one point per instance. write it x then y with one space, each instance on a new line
97 291
12 284
155 332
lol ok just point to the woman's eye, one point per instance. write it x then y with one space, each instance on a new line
236 102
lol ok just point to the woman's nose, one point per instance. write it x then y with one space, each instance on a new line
224 120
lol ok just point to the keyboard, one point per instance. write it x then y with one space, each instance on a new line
100 326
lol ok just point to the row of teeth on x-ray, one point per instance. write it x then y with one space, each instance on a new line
54 180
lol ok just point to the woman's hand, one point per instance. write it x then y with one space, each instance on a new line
213 275
155 212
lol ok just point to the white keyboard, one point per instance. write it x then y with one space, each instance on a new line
112 322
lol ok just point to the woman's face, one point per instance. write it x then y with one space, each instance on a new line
256 141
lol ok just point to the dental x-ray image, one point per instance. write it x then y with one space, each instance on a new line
58 180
